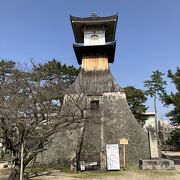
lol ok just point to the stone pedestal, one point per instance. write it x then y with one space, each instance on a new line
156 164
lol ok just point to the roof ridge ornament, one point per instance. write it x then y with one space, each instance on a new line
93 14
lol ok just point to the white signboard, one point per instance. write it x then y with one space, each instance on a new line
82 165
113 161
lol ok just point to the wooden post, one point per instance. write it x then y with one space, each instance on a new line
124 141
12 159
124 152
22 153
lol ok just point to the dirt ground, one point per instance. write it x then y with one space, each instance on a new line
132 173
124 176
130 176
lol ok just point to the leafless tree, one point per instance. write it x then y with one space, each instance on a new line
32 111
29 113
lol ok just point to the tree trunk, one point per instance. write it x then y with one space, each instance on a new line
78 154
15 173
156 120
22 167
156 116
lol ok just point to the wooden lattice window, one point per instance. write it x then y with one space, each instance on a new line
94 39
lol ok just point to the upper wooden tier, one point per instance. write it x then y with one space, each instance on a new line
81 23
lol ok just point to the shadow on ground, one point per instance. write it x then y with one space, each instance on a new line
175 156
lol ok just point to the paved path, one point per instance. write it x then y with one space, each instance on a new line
3 176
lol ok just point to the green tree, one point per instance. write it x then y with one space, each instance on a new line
174 98
55 74
174 139
136 99
156 89
55 71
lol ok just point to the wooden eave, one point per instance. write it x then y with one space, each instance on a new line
108 50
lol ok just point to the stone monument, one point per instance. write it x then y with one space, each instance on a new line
151 130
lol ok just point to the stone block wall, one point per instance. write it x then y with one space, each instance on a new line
120 123
106 125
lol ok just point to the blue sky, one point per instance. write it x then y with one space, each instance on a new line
148 34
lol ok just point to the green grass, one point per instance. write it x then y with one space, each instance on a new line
129 169
5 156
90 174
37 169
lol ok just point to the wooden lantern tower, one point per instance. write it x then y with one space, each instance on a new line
95 48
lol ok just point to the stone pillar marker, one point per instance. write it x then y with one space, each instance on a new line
150 127
153 142
155 162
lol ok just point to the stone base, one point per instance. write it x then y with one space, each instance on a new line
156 164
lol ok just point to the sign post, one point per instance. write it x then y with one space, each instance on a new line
82 165
124 142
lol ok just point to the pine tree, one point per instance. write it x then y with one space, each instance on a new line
174 98
136 99
156 90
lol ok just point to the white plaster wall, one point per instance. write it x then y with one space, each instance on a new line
89 33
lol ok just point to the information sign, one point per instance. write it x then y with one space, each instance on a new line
113 161
123 141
